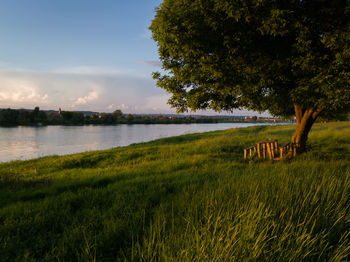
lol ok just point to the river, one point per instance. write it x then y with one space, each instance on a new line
19 143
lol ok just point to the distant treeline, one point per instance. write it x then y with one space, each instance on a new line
37 117
14 117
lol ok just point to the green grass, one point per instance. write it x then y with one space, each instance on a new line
186 198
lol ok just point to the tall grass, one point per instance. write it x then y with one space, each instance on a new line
187 198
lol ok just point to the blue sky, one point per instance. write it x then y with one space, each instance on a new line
80 55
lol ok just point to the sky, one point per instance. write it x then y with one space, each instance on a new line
93 55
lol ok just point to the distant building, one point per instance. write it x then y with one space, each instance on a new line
59 114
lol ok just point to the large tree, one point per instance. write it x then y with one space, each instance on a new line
290 57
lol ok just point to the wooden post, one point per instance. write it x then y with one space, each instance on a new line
258 149
281 152
269 150
250 153
276 146
245 154
272 150
264 150
294 148
285 149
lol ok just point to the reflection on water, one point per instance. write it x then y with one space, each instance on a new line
31 142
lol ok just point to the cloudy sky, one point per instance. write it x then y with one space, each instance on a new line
80 55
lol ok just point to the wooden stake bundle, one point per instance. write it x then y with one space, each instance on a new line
271 146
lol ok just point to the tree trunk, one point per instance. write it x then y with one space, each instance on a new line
305 118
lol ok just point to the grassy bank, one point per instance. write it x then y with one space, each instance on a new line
187 198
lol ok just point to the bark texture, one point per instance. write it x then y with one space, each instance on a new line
305 118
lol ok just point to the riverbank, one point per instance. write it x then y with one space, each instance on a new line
182 198
20 143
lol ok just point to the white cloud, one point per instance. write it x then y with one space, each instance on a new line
154 63
88 70
15 90
110 107
124 106
90 97
94 90
85 89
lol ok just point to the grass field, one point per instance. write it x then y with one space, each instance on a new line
186 198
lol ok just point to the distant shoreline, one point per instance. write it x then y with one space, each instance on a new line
154 123
37 117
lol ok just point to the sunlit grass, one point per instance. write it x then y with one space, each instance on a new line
187 198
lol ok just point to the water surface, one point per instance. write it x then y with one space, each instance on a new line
32 142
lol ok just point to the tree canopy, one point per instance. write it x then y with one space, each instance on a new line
254 54
285 56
